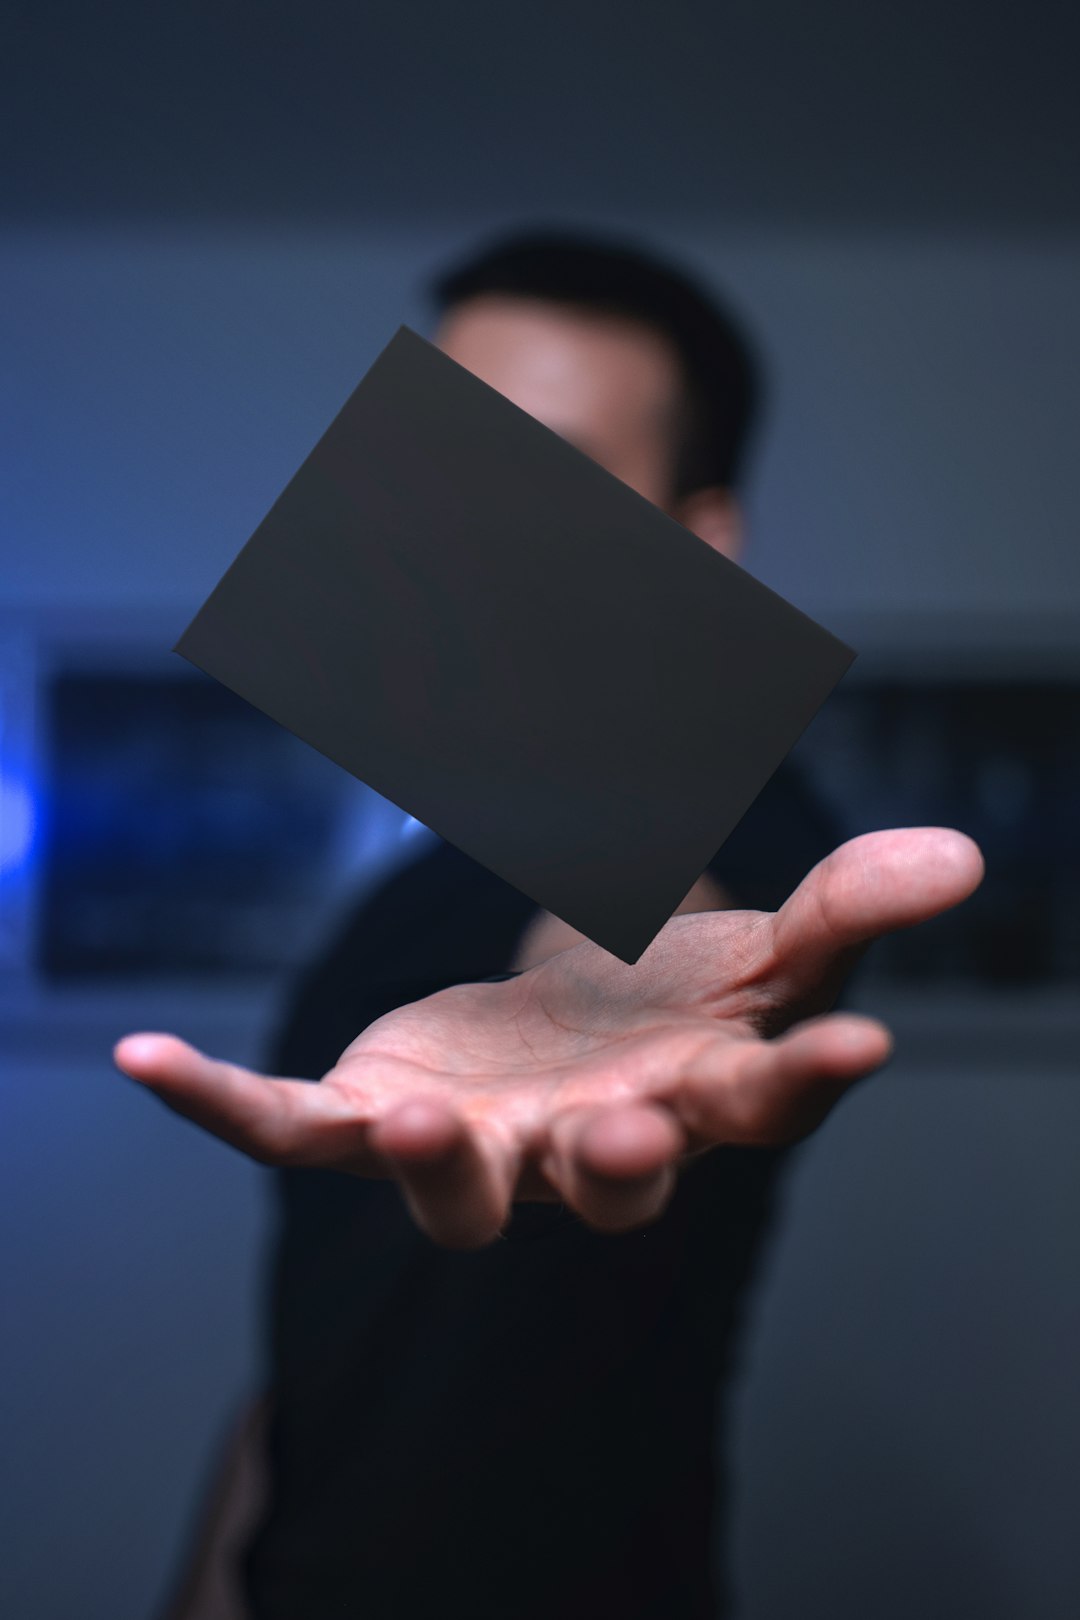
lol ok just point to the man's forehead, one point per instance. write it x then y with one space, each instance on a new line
548 334
562 360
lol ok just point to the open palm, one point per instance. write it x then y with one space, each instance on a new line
585 1079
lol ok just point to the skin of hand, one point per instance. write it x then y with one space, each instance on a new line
585 1079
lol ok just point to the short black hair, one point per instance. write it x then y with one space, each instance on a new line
721 370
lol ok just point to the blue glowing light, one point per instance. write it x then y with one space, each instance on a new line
17 822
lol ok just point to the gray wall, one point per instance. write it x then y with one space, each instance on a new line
160 385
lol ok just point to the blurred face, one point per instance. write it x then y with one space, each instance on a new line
608 385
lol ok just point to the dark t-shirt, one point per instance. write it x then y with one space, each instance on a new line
529 1429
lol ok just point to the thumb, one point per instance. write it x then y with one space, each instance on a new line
871 886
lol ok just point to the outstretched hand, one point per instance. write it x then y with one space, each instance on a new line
585 1079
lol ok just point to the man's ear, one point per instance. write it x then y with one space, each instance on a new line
715 516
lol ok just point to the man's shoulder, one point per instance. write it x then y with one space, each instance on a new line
426 893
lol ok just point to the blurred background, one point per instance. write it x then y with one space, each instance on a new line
213 218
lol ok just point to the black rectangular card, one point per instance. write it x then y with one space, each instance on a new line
482 624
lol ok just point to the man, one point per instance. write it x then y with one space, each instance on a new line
496 1386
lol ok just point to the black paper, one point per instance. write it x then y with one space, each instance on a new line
490 630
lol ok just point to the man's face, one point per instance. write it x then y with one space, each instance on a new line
608 385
